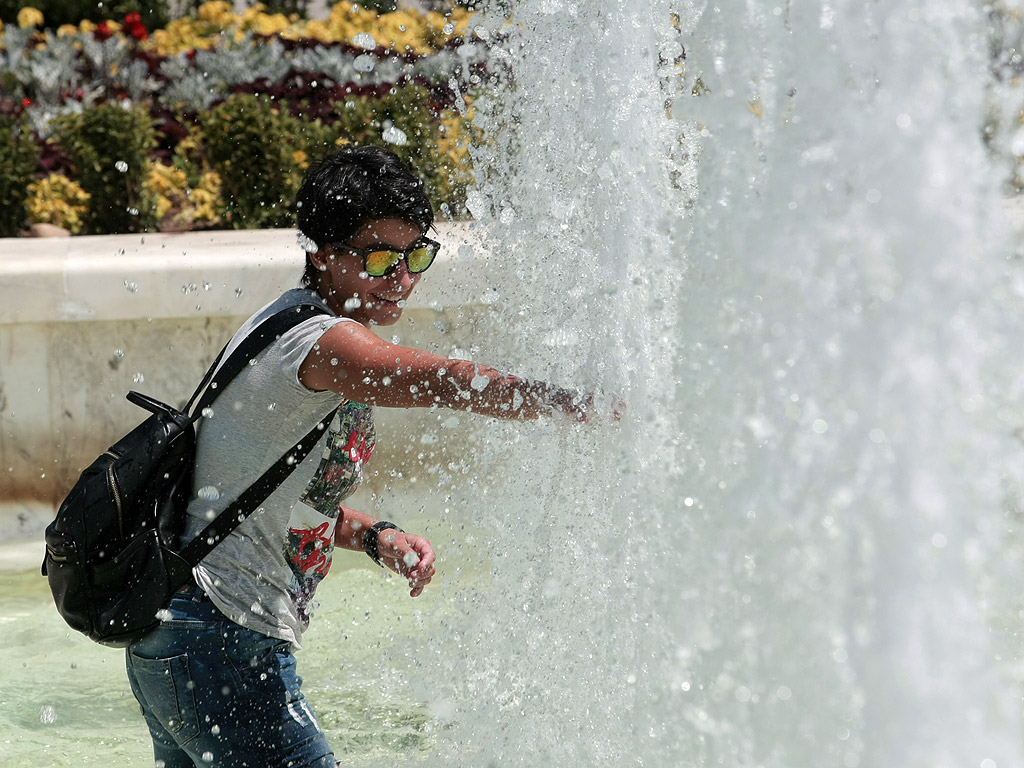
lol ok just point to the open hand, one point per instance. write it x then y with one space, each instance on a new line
409 556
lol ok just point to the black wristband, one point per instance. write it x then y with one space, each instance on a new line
370 539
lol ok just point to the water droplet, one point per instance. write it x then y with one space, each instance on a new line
208 492
448 28
121 166
138 378
47 715
207 757
215 730
131 285
164 615
119 353
479 382
334 361
396 136
132 211
364 63
365 41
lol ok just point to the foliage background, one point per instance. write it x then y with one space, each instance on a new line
188 115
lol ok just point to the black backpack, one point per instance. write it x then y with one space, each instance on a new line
112 557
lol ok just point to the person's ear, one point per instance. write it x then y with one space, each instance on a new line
320 258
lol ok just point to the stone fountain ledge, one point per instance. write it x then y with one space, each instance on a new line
180 275
85 319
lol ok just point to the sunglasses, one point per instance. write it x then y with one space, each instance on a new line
381 259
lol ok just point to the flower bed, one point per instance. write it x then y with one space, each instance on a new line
210 121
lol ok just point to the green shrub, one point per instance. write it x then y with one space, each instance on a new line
287 7
403 121
19 158
154 13
108 146
259 153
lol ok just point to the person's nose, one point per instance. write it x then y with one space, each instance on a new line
402 278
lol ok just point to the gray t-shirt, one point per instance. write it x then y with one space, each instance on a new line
264 574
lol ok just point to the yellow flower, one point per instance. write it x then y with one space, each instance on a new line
30 17
300 159
67 30
57 200
86 27
218 12
270 24
205 199
321 30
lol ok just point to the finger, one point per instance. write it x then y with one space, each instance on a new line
426 555
419 582
422 572
419 575
417 591
423 548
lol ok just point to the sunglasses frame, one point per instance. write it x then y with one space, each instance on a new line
364 254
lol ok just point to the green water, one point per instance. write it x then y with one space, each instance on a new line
65 701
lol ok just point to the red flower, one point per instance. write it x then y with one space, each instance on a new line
102 31
26 103
133 26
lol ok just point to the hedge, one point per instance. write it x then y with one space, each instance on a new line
109 134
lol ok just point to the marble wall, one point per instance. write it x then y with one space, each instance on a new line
84 320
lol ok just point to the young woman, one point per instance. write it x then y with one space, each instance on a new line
216 680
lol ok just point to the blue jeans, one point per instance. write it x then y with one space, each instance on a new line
218 695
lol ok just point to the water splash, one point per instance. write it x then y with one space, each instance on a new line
774 229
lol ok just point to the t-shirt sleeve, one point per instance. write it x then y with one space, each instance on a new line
295 345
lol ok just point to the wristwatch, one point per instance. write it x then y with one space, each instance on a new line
370 539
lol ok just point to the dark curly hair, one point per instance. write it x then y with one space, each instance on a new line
353 186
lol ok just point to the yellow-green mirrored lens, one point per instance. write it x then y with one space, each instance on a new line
420 258
379 262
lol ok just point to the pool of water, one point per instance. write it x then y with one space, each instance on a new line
65 701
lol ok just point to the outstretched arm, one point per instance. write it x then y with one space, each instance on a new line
357 364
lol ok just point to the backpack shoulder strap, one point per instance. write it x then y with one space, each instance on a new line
250 499
218 376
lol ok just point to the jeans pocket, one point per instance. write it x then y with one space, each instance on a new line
167 690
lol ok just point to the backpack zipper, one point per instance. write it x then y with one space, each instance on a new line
55 557
116 491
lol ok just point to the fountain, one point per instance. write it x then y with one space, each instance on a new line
776 232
